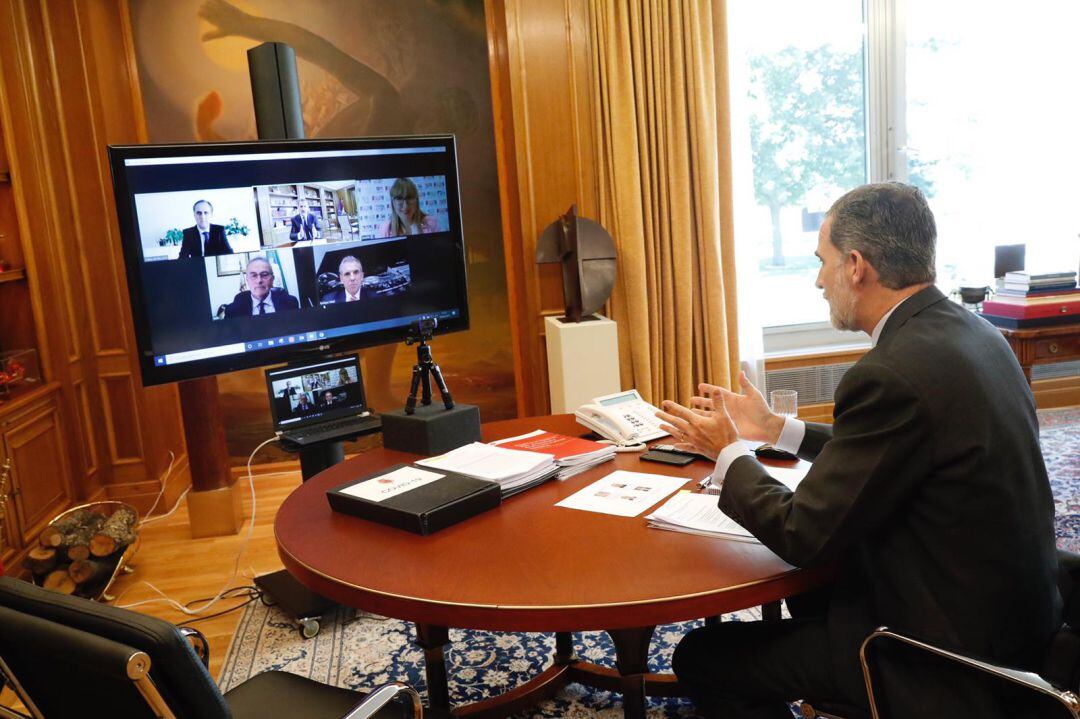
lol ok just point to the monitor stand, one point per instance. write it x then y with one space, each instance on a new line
282 588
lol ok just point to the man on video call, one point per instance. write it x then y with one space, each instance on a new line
302 404
261 297
305 225
204 239
927 495
351 274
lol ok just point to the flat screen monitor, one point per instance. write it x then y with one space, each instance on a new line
253 253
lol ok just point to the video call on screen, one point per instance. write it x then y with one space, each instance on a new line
234 251
304 394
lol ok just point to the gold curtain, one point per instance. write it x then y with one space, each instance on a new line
660 88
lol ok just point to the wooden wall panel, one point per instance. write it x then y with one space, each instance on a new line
68 90
545 142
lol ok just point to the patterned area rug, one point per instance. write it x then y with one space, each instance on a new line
367 651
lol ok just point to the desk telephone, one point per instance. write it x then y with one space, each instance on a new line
623 417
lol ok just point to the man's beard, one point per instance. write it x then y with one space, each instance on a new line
841 303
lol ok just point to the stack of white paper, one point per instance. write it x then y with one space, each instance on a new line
513 469
695 513
699 513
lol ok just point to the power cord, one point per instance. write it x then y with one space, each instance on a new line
185 608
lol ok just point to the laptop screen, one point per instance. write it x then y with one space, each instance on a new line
306 394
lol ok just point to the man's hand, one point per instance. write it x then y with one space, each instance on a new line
703 430
748 410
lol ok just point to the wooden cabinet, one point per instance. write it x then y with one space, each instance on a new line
40 484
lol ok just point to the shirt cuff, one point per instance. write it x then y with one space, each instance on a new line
791 436
723 461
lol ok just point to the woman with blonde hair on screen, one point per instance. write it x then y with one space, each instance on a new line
406 217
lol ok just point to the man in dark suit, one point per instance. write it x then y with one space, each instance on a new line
261 297
351 274
204 239
305 226
928 494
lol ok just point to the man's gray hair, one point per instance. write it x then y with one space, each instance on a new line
259 258
892 226
349 258
200 202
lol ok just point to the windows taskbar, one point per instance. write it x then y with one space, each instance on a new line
295 338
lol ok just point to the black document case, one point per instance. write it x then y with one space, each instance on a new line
423 510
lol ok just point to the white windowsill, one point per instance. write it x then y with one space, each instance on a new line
810 338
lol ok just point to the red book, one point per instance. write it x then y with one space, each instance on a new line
566 450
1065 307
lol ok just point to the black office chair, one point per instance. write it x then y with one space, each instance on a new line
70 657
1057 682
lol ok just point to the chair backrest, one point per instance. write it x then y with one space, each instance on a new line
53 645
1062 663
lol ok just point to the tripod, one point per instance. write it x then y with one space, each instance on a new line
425 368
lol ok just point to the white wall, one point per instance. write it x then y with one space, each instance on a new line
159 212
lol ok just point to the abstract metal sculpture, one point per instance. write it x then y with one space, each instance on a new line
587 254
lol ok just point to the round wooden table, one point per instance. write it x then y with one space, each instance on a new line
531 566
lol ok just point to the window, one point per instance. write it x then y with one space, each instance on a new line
965 99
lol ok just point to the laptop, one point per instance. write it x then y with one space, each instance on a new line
320 401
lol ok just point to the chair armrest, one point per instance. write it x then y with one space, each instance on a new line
381 696
198 643
1030 680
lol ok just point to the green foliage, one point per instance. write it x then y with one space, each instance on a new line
808 129
235 228
172 237
807 124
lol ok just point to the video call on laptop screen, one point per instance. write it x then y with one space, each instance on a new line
300 395
240 254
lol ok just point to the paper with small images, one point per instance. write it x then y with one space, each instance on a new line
391 484
622 493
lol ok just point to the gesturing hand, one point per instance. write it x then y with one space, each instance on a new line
705 430
748 410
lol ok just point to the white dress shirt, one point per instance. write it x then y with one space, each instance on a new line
791 436
268 302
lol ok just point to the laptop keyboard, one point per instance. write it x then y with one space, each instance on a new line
329 429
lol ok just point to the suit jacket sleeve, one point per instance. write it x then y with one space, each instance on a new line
295 227
879 451
190 247
817 434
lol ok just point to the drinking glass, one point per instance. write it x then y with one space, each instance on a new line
785 402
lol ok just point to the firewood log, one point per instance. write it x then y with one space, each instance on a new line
40 560
59 580
88 571
53 535
117 532
76 543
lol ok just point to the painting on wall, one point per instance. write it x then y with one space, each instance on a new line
366 68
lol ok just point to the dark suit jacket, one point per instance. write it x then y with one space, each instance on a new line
308 222
192 245
930 494
241 304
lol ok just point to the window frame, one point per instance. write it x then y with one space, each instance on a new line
886 157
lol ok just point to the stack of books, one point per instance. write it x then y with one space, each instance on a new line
513 470
573 455
1028 300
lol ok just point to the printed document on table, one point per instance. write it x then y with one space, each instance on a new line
696 514
622 493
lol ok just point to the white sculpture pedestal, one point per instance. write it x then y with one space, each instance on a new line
583 361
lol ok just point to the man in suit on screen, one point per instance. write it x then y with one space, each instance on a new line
928 494
351 274
205 239
261 297
305 225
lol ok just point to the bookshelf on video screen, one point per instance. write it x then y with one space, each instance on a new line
246 254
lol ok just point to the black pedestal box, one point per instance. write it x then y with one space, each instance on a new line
432 429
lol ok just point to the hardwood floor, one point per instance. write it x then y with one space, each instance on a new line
186 569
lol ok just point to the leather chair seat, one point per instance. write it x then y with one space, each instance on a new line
264 695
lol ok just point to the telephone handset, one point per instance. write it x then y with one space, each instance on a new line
623 417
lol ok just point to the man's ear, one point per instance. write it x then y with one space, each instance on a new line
861 271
